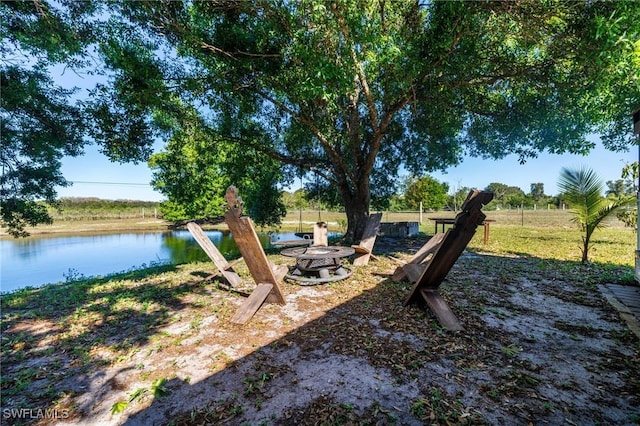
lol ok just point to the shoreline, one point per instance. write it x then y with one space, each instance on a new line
84 226
74 227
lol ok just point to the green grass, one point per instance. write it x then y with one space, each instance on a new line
75 209
615 246
545 234
529 218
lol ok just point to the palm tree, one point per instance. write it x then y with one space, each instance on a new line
583 189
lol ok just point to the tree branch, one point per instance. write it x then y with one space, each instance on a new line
334 156
306 163
359 70
217 50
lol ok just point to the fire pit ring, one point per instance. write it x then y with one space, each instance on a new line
318 264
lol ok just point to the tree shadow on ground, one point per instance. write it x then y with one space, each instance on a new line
537 346
72 328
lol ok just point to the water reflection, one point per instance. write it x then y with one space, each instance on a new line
38 260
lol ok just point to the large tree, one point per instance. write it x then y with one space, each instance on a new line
506 194
355 91
194 171
537 191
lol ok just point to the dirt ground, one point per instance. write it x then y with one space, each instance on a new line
540 345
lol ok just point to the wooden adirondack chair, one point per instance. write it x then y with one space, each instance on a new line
445 254
364 249
224 268
264 273
413 269
320 234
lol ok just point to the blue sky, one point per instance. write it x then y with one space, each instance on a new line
117 181
129 181
478 173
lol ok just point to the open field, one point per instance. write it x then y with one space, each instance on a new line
73 227
92 209
534 218
134 220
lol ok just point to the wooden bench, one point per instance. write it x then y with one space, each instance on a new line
365 248
445 254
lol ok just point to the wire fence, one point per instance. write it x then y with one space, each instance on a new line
556 218
302 219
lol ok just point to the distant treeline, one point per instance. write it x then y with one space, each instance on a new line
90 208
99 203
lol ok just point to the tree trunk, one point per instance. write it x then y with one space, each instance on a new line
356 205
585 246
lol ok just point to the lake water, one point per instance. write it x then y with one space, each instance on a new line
38 260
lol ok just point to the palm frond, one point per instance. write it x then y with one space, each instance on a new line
581 186
582 190
607 206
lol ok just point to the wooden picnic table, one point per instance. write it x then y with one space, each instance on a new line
450 221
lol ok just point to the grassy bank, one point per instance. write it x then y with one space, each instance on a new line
74 227
92 209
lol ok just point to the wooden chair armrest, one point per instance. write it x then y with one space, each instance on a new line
398 261
360 249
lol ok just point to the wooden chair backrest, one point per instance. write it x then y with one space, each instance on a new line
453 244
371 231
320 234
245 236
365 247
